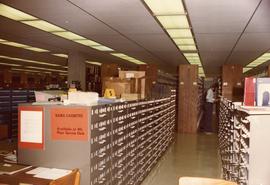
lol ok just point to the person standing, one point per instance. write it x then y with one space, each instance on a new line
208 114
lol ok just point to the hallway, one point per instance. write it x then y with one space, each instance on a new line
190 155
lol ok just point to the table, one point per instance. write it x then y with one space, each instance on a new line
22 177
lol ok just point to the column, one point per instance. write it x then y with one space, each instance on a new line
76 69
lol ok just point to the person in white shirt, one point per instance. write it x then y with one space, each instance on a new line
207 121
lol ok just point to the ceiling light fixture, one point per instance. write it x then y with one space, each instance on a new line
258 61
60 55
35 22
173 18
23 46
94 63
128 58
26 60
7 64
47 69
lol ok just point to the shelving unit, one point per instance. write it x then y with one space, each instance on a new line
93 78
9 100
242 136
140 132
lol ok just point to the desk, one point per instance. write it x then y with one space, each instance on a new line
22 177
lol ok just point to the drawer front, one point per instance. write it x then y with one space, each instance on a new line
101 113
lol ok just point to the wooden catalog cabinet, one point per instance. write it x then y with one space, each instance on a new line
187 99
231 79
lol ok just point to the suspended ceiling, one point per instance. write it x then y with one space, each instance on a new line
226 31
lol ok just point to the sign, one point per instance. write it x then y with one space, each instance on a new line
31 127
69 124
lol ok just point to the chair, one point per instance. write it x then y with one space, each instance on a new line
71 179
203 181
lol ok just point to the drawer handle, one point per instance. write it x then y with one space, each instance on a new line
101 129
120 144
102 142
119 155
101 155
101 168
102 115
120 133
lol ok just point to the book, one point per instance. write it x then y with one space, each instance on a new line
249 91
263 91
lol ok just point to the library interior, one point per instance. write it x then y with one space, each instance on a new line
134 92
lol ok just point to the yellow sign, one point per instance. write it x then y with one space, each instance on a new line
109 93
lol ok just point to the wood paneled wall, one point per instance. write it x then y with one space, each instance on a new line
232 76
187 99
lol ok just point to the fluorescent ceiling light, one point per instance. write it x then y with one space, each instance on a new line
187 47
245 69
14 14
102 48
120 55
179 33
47 69
184 41
60 55
94 63
7 64
24 46
68 35
37 49
28 70
165 7
43 25
14 44
48 27
191 54
128 58
173 21
87 42
26 60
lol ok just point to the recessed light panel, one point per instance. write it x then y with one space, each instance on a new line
184 41
27 19
102 48
187 47
260 60
26 60
87 42
179 33
7 64
46 69
43 25
128 58
165 7
60 55
94 63
173 21
14 14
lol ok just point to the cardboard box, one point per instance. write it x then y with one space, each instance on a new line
120 86
130 96
131 74
139 77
